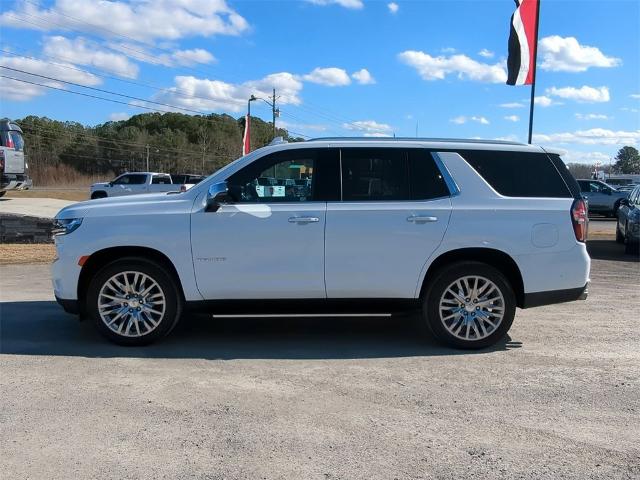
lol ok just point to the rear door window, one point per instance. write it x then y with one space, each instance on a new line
131 179
425 178
374 174
518 174
161 180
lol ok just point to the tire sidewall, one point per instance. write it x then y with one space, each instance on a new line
445 277
159 274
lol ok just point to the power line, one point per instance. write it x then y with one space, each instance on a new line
177 91
102 90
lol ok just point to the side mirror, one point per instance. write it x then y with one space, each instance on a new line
216 196
608 191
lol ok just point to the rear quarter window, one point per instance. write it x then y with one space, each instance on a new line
519 174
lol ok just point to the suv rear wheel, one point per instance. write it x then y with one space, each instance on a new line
469 305
134 301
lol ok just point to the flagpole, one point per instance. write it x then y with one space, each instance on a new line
533 78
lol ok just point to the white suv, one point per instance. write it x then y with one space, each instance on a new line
463 231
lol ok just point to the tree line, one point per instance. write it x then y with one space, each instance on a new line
174 143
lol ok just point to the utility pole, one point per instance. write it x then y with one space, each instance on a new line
147 157
275 111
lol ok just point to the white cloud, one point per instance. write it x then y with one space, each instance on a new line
544 101
584 94
214 95
192 57
462 119
593 136
591 116
177 57
117 116
576 156
370 128
307 129
512 118
635 95
83 52
15 90
448 50
330 76
486 53
363 77
627 109
393 7
353 4
437 68
142 20
512 105
565 54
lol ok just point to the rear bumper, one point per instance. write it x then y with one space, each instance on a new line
69 306
537 299
15 181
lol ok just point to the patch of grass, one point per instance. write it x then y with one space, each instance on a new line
21 253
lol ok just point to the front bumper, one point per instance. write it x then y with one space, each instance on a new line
537 299
69 306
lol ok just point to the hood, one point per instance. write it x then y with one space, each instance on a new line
128 205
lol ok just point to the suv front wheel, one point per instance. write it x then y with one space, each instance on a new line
134 301
469 305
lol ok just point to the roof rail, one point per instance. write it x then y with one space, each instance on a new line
415 139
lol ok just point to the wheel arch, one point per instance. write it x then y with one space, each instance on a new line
496 258
103 257
99 194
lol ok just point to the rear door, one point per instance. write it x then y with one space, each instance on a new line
394 212
13 148
162 183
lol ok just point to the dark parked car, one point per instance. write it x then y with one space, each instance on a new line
628 227
602 198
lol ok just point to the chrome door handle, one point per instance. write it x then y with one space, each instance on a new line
304 219
421 219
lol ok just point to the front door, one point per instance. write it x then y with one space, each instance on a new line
269 242
394 214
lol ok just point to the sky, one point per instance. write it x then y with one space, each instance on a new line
340 67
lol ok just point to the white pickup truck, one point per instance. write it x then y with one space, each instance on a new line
136 183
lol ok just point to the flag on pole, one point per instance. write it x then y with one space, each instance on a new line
522 43
246 139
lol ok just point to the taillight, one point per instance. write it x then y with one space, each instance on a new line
1 160
10 143
580 219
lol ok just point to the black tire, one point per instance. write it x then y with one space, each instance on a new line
619 236
98 194
167 286
2 193
437 287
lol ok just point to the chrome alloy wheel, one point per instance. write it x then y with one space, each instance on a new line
472 308
131 304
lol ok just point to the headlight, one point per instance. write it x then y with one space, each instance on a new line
66 226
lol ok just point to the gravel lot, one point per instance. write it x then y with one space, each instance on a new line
324 398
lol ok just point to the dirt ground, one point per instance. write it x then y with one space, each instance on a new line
323 398
14 253
75 195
